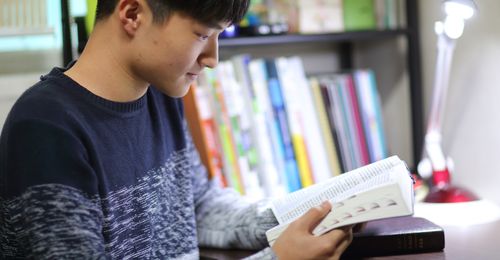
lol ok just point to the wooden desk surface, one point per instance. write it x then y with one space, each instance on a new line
473 242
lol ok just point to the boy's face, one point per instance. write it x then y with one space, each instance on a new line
171 55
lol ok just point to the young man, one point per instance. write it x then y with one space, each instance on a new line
96 160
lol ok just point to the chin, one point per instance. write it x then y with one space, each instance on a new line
174 91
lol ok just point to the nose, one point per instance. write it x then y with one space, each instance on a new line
210 55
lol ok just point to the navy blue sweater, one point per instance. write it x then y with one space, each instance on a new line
83 176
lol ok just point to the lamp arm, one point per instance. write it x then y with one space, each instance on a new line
432 147
445 48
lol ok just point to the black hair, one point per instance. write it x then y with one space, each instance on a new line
210 12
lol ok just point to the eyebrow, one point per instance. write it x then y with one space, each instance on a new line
214 25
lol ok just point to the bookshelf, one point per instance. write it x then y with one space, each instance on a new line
345 42
345 48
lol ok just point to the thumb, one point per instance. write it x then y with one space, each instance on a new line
314 215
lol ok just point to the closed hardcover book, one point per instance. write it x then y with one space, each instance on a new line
401 235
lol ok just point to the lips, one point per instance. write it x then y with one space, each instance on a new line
192 76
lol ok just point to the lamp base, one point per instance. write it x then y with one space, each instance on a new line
449 194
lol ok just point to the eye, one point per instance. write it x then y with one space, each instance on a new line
202 37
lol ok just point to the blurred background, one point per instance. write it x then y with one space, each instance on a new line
471 122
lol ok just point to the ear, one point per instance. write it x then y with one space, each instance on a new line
131 15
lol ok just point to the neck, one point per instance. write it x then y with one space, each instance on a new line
104 70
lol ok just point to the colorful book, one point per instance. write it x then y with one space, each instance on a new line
230 156
256 107
371 113
280 117
241 126
326 131
320 16
325 94
270 148
359 15
356 120
315 141
294 102
345 107
201 123
338 117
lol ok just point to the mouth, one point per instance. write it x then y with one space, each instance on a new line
192 76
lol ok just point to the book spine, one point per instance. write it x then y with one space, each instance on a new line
242 132
295 117
202 127
369 101
231 164
259 150
272 161
315 140
348 119
409 243
331 149
291 169
338 118
325 93
378 114
356 120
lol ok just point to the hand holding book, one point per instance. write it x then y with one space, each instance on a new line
297 241
380 190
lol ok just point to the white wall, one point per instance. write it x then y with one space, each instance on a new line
471 125
19 71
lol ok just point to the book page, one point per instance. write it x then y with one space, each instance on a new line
292 206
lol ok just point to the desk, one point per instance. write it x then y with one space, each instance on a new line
473 242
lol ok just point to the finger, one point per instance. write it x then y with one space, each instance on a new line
343 245
314 215
328 244
335 236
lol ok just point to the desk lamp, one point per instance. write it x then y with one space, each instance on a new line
441 205
434 162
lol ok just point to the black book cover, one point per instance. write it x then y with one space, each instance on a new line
393 236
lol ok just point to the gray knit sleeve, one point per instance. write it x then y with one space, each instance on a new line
224 218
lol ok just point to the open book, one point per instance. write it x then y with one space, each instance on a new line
379 190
